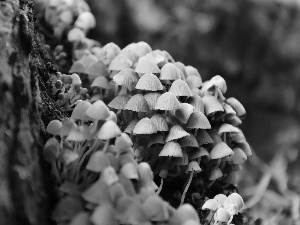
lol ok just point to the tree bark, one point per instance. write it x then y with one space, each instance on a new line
25 183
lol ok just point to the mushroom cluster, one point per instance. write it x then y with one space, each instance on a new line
223 208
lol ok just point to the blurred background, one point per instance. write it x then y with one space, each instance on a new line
255 46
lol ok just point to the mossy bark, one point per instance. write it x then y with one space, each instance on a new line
25 184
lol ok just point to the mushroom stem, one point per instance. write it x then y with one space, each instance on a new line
187 187
224 137
210 184
160 186
196 132
230 219
106 146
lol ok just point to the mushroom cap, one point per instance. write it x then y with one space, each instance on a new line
130 171
87 59
66 209
149 82
197 102
146 65
156 57
82 218
220 150
129 129
103 215
192 71
220 198
198 120
108 52
155 209
215 174
101 82
244 145
234 120
145 126
193 166
146 174
167 101
123 142
171 149
231 178
156 139
80 133
120 62
189 141
126 78
239 156
51 150
131 55
238 137
67 126
160 122
98 162
96 69
77 67
203 137
237 106
211 104
119 102
75 35
109 176
228 128
79 110
221 215
183 113
200 152
128 185
176 132
151 99
194 82
98 111
70 188
109 130
234 199
137 103
180 88
97 193
54 127
169 72
228 109
75 79
216 81
210 204
187 212
184 161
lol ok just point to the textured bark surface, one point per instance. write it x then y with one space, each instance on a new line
25 105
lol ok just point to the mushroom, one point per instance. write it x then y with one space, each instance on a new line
103 215
108 131
155 209
149 82
163 174
193 167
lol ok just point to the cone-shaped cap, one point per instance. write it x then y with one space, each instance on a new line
151 99
192 71
131 55
119 102
180 88
155 209
101 82
81 218
200 152
176 132
145 126
211 104
87 59
98 111
149 82
184 112
197 102
228 128
193 166
171 149
194 82
130 171
198 121
189 141
216 173
187 212
220 150
104 215
126 78
109 176
244 145
237 106
98 162
221 215
210 204
123 142
157 58
137 103
109 130
67 126
131 126
234 199
220 198
170 72
96 69
77 67
228 109
108 52
146 65
160 122
79 110
97 193
79 134
167 101
203 137
120 62
54 127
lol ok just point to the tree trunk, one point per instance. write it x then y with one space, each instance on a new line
25 183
